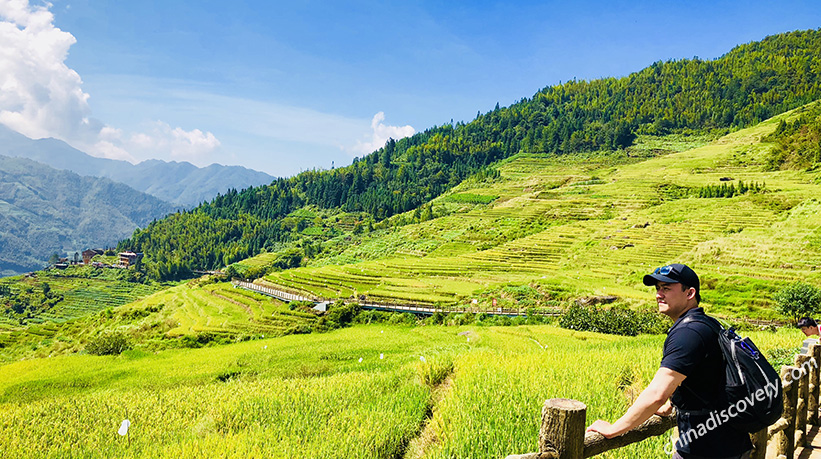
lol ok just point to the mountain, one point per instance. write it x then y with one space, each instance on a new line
45 211
550 228
532 229
749 84
179 183
194 185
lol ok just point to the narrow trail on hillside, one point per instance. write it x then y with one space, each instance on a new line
419 445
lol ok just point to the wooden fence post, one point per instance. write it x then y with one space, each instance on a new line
759 440
595 443
802 362
785 440
563 425
812 403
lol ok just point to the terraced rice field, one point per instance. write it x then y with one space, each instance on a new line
595 227
221 309
83 296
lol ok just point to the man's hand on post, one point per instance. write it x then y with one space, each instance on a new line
666 409
602 427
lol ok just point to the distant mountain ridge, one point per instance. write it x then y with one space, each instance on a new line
179 183
44 211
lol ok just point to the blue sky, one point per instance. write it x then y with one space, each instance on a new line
288 86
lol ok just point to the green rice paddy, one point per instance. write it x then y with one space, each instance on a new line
557 228
362 392
593 225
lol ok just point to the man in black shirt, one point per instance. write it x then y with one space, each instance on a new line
690 377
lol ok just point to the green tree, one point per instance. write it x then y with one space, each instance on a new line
798 300
343 313
289 258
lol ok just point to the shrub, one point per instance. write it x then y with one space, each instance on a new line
798 300
404 318
782 356
343 313
740 325
303 306
368 317
198 340
437 318
504 321
231 271
322 325
533 318
134 314
616 320
255 272
298 329
112 343
456 319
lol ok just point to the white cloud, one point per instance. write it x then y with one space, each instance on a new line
107 149
40 96
177 143
180 144
381 133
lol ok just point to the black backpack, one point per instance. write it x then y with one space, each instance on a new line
754 391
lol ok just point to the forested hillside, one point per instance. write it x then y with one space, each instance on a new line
747 85
798 143
45 211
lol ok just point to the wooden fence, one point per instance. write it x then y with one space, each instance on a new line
423 309
276 293
562 434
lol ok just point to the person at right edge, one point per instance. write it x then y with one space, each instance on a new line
691 376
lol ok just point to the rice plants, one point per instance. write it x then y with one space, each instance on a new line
362 392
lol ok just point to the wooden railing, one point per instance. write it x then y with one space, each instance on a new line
276 293
390 306
562 434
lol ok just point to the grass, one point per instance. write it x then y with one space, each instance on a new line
548 230
479 391
564 226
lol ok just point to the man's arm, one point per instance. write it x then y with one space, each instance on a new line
652 398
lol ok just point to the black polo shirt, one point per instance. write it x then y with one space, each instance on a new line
692 349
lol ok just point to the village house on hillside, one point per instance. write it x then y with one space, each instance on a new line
88 254
129 258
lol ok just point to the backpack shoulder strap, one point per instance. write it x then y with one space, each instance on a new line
714 324
711 322
716 327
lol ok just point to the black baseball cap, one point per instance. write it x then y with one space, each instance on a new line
675 273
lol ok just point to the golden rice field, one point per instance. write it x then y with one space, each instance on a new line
372 391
